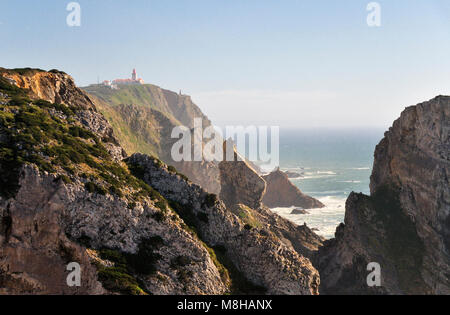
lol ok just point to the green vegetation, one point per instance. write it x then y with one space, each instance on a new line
120 277
211 200
230 275
25 71
31 133
172 169
246 216
9 89
135 114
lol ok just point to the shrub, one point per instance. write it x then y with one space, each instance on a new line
210 200
94 188
202 216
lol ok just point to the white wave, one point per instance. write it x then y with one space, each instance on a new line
326 173
316 176
325 219
360 168
350 181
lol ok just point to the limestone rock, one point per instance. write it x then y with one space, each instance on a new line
404 224
282 193
257 252
240 183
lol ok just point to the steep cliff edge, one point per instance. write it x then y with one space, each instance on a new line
135 226
254 250
282 193
405 224
242 192
144 116
65 197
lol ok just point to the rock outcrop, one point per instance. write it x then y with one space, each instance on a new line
144 117
240 183
53 86
254 250
242 192
135 226
65 198
282 193
405 224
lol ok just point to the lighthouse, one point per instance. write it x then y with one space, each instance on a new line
134 75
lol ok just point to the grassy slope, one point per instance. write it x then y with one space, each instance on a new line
141 132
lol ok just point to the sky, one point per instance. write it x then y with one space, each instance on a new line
293 63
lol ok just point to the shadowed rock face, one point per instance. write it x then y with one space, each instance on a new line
255 247
240 184
242 193
72 206
282 193
68 212
404 224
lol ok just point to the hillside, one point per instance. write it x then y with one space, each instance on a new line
144 116
133 224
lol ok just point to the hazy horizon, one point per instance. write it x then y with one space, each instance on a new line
288 63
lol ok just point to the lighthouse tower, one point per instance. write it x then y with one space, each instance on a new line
134 75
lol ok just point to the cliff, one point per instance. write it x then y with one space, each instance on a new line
66 197
242 192
135 226
282 193
404 224
144 116
249 246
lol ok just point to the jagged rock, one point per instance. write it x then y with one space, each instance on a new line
144 117
282 193
49 220
59 87
81 209
242 191
404 224
258 253
293 174
53 219
299 211
54 87
240 183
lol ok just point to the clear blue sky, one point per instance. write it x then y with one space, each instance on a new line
287 62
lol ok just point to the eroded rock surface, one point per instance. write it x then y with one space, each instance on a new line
282 193
255 250
404 225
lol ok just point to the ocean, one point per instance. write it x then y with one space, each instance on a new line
333 163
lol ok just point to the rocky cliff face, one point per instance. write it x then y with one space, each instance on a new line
404 225
53 224
66 197
242 192
54 86
240 183
282 193
135 226
255 250
144 116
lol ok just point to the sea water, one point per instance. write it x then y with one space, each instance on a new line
332 164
